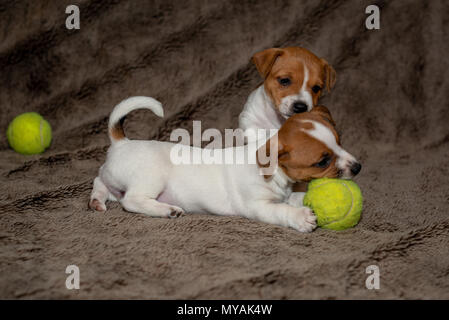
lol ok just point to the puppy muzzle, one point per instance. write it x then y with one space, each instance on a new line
350 170
355 168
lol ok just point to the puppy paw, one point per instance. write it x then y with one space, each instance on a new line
97 205
175 212
305 220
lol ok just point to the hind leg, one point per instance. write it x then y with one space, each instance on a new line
138 202
99 195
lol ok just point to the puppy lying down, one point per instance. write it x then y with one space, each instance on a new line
141 176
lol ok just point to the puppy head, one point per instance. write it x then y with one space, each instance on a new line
309 147
294 78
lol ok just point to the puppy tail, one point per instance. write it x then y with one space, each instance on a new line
120 111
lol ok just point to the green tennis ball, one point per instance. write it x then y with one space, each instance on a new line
29 133
337 203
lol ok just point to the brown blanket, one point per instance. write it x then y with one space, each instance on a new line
390 104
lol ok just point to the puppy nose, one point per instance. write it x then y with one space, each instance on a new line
299 107
355 168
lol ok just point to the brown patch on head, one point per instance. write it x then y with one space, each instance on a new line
301 156
283 72
324 113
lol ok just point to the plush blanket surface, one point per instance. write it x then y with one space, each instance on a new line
390 104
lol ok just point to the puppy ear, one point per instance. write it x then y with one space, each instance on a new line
329 74
264 60
268 160
324 113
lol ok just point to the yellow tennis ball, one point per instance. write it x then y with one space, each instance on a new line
337 203
29 133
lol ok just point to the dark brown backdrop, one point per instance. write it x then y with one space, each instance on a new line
390 103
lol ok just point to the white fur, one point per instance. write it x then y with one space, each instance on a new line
259 112
140 175
304 94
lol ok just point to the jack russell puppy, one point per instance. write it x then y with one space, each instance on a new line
141 176
294 80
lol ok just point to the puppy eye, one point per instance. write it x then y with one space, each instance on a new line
324 163
316 89
284 82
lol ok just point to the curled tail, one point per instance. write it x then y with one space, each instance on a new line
117 116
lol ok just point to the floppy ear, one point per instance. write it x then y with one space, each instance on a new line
329 74
324 113
264 60
268 160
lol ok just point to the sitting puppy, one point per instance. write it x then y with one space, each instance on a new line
141 176
294 80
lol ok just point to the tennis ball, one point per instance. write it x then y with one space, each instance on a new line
337 203
29 133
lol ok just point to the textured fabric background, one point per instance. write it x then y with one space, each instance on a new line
390 104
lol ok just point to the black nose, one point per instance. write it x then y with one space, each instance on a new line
355 168
299 107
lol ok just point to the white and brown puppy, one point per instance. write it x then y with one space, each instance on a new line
141 176
294 80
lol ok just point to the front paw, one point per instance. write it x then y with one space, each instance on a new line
304 220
